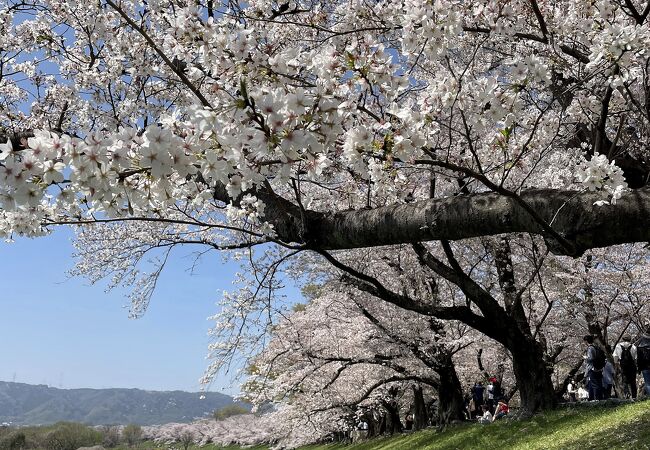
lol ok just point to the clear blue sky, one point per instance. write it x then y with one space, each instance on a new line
64 332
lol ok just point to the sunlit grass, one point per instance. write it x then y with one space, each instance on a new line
579 428
623 427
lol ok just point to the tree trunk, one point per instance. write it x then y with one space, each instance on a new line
450 394
381 427
373 423
533 376
393 422
420 416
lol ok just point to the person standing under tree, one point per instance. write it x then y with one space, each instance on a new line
490 394
477 395
608 379
625 359
594 364
643 358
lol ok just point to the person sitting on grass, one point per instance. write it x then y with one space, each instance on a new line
582 394
502 410
572 391
487 415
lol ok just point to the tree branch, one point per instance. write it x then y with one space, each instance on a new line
540 19
174 68
570 51
573 215
635 14
485 302
373 287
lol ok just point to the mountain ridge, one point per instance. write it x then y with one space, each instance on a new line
27 404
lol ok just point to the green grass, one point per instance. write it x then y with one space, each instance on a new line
579 428
623 427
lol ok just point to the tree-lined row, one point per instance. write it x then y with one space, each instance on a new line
466 145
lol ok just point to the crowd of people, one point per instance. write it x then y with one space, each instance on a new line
623 375
629 360
486 403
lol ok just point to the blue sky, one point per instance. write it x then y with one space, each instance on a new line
64 332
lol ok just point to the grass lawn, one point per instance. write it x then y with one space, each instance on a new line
577 428
607 427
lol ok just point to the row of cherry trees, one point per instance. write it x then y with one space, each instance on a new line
425 162
346 356
351 354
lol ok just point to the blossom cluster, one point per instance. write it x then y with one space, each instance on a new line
600 174
137 117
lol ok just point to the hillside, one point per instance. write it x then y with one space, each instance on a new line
580 428
25 404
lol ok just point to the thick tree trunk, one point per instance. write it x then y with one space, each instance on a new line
533 376
381 427
505 324
420 415
393 422
450 394
373 424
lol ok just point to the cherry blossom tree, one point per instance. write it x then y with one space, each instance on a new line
244 430
329 126
347 353
606 296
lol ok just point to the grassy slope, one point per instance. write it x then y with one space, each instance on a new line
624 427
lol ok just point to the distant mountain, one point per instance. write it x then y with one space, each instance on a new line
26 404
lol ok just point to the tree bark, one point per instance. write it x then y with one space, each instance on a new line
420 415
571 214
393 421
532 374
450 396
381 427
